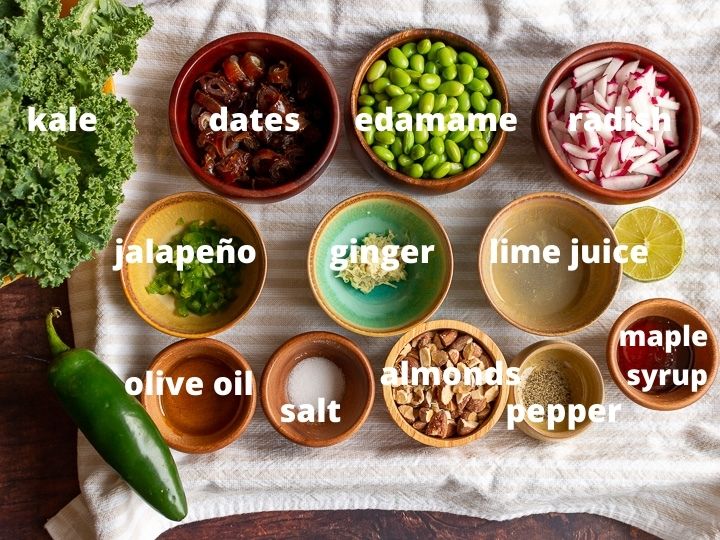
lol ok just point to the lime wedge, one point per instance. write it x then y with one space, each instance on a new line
662 235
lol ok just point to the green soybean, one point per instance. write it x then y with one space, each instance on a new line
423 46
478 101
366 100
441 170
432 53
417 62
486 89
481 72
440 102
472 156
429 82
400 78
376 70
396 147
451 107
385 137
379 85
464 73
394 90
415 97
369 136
451 88
392 164
464 102
487 136
437 145
432 68
455 168
452 150
468 59
397 58
445 56
404 161
480 145
401 103
495 108
426 103
459 135
418 152
364 89
383 153
409 49
382 96
366 110
408 142
449 73
415 170
432 161
422 135
382 105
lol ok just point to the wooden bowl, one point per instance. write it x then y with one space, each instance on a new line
544 299
493 352
267 45
375 166
159 222
385 311
689 124
355 404
704 358
207 422
582 373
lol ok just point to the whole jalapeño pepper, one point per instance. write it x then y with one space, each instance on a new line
115 424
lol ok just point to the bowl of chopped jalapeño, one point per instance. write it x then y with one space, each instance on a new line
192 265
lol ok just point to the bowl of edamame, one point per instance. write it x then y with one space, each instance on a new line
424 110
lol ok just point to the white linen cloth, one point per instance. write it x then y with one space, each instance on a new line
658 471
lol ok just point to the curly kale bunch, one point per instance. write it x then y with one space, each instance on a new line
59 192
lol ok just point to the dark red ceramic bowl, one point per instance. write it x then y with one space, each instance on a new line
271 47
688 118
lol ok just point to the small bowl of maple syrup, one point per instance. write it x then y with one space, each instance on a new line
662 354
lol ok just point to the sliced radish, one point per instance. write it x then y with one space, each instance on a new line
624 183
612 68
667 157
583 69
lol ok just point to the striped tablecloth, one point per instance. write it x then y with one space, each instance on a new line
657 471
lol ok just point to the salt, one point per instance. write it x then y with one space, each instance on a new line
314 378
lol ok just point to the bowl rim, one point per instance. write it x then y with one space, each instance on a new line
446 184
489 346
279 356
599 218
198 196
666 181
646 400
551 344
350 201
240 422
275 193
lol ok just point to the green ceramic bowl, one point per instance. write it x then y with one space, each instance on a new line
385 310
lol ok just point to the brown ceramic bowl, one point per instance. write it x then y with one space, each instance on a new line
581 373
544 299
376 167
355 404
159 223
490 348
207 422
704 358
689 125
269 46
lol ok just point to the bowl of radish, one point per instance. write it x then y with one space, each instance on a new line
617 121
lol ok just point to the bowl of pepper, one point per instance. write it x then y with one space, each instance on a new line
193 264
427 71
254 116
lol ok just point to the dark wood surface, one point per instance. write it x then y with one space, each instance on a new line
38 473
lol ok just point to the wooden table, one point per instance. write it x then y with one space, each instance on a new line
38 473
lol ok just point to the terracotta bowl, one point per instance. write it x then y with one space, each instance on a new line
207 422
269 46
159 222
704 357
376 167
544 299
355 404
492 351
581 372
689 125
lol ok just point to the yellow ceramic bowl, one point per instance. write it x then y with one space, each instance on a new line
160 222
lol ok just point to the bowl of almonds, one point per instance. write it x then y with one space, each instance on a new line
446 383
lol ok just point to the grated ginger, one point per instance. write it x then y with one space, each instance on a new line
365 276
